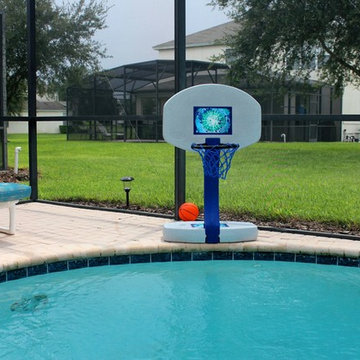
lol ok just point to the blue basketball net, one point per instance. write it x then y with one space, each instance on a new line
216 159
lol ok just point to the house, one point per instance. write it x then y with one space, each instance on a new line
45 107
209 43
202 45
132 96
351 106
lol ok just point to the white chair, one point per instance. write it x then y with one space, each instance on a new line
10 194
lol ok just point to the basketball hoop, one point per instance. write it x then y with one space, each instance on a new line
216 158
215 121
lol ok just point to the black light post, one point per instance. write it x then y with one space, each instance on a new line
127 187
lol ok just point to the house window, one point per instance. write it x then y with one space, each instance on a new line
272 103
307 104
148 106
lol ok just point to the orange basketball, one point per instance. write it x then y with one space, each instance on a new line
188 212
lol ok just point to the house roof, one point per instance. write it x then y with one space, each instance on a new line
133 77
50 105
207 37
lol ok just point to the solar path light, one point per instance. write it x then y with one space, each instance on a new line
127 187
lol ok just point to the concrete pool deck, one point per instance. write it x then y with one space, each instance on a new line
48 233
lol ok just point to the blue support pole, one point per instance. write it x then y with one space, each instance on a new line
211 201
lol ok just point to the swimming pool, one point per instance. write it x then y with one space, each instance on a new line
184 310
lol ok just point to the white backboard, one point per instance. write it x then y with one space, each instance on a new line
211 111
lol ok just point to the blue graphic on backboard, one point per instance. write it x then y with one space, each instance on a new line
214 120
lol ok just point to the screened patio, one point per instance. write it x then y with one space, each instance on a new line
133 96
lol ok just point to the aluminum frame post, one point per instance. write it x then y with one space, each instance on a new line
3 100
180 84
32 126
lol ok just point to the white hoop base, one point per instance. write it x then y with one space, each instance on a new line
194 232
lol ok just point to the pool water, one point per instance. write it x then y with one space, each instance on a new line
185 310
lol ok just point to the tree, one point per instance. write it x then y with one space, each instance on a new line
64 41
280 40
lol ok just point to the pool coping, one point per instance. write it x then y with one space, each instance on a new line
73 264
52 238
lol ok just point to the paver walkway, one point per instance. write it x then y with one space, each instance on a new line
49 233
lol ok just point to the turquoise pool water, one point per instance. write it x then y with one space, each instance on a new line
185 310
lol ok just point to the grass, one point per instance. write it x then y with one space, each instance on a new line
269 181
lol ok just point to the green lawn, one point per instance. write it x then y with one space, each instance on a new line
270 181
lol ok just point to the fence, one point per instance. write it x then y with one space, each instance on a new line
300 128
304 128
131 127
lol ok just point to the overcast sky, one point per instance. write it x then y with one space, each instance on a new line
135 26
